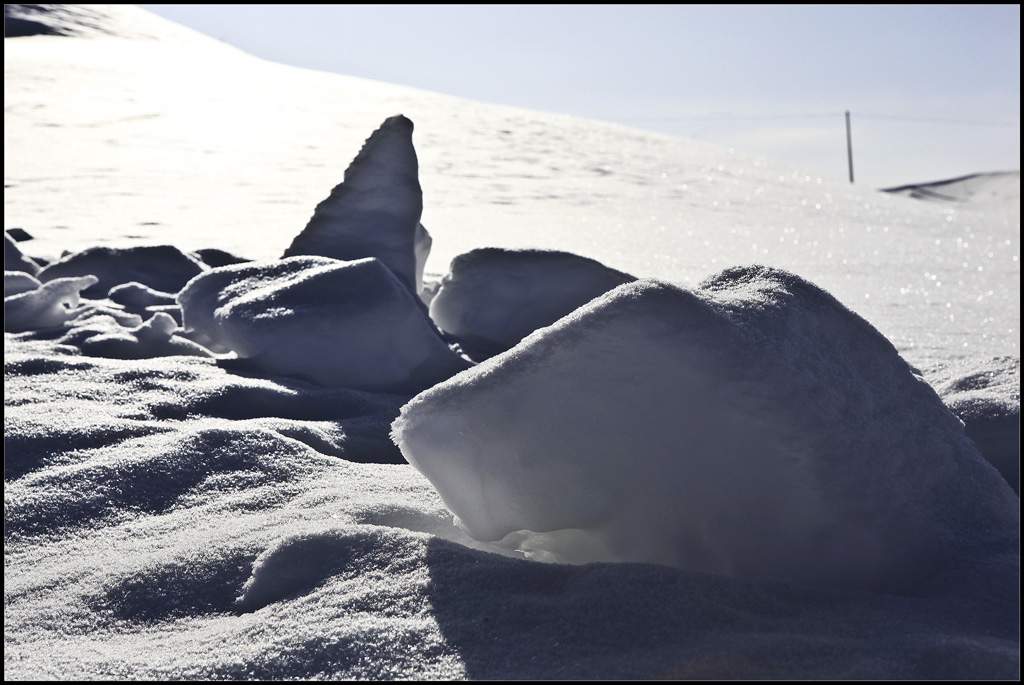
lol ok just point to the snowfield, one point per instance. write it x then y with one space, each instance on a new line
296 387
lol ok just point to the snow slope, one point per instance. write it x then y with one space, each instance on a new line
109 125
193 517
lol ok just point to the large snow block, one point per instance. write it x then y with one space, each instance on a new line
375 211
492 298
751 427
334 323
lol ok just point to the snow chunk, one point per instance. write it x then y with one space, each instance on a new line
15 260
154 338
139 295
375 211
160 267
212 257
17 282
492 298
294 564
752 427
985 394
341 324
51 304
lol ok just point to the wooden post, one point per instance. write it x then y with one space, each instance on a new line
849 146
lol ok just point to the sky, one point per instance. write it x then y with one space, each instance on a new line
933 91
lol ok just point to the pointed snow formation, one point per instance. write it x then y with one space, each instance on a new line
375 211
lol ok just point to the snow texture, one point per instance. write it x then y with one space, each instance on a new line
182 517
375 211
492 298
335 323
753 427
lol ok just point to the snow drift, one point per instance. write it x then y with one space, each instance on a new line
985 395
492 298
178 517
161 267
753 427
50 304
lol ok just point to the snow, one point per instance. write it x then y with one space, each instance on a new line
51 304
163 268
199 517
752 428
16 282
997 191
154 338
985 395
332 322
14 260
134 294
492 298
375 211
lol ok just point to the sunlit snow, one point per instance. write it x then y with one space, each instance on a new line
738 420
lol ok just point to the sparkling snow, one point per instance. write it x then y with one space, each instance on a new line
219 517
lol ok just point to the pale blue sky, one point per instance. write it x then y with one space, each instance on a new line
765 79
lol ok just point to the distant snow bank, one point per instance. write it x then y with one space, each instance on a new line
997 192
96 21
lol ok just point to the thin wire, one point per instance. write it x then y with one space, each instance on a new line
940 121
729 117
726 117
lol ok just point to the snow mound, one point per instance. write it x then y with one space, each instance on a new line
52 304
752 427
15 260
161 267
17 282
985 394
301 561
55 20
334 323
138 295
95 21
375 211
997 192
492 298
213 257
154 338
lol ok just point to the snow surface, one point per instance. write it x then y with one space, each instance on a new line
191 517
